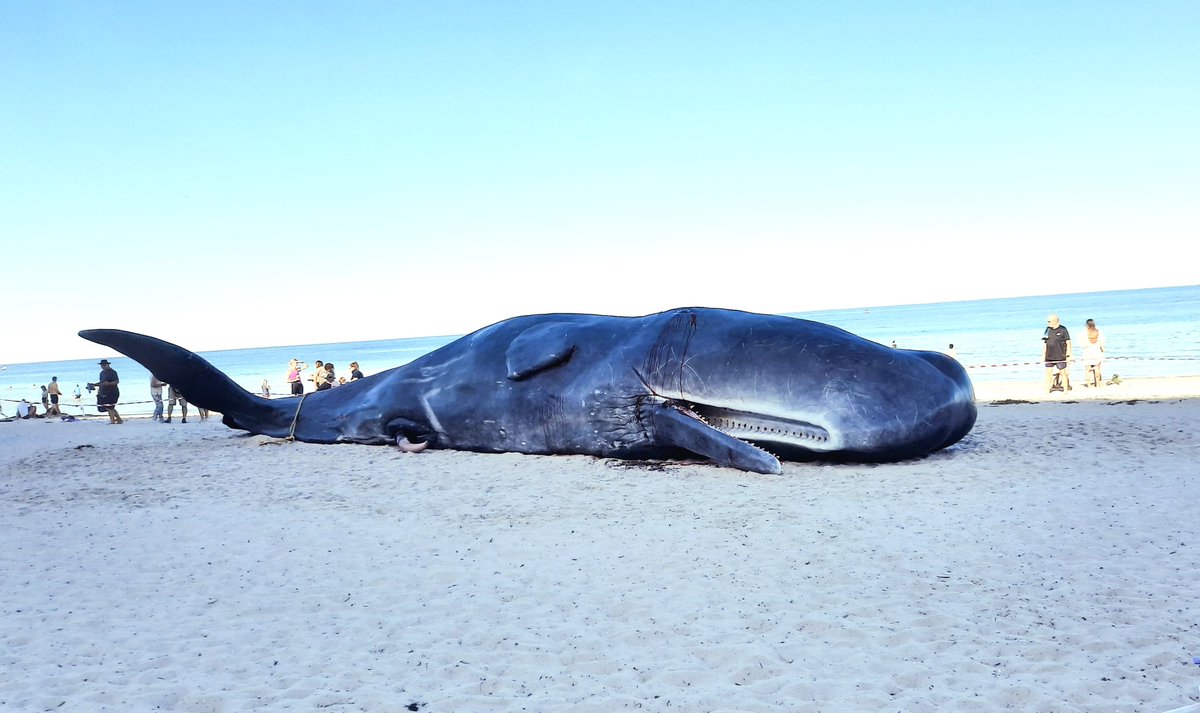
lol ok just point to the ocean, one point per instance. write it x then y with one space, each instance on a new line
1149 332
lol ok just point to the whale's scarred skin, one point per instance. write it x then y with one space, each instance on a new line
741 389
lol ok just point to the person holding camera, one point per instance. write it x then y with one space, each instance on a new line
108 392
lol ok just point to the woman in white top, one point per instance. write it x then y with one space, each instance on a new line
1093 354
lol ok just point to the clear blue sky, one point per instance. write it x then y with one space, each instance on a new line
229 174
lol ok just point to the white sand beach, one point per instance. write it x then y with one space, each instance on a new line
1173 387
1047 563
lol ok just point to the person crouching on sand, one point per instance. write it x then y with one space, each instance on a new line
26 410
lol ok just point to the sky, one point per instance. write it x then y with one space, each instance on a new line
232 174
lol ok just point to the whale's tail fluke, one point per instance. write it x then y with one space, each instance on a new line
200 382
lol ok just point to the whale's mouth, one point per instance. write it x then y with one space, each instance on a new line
762 429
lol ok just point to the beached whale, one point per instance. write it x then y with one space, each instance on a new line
726 385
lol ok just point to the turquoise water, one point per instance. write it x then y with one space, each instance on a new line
1151 332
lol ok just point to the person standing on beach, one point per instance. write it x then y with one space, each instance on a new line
108 392
45 399
1056 354
1093 354
327 378
296 366
173 395
156 394
55 393
355 374
318 375
266 387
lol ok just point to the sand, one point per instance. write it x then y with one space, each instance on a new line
1174 387
1047 563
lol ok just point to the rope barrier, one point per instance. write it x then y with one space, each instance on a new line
1005 365
84 404
81 403
83 407
61 404
1107 358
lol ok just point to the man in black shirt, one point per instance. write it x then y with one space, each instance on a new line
1056 355
108 392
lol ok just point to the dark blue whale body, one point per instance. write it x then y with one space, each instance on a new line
726 385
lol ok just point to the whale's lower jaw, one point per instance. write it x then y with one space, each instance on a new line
766 431
800 440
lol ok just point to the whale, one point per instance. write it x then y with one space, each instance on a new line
739 389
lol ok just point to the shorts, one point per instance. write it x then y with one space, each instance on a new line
1056 364
107 400
297 388
54 399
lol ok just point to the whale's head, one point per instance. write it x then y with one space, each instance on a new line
805 390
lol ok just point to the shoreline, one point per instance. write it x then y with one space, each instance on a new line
1141 388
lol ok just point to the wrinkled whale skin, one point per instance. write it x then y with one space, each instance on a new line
722 384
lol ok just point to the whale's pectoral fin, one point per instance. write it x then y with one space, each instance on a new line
677 428
539 348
